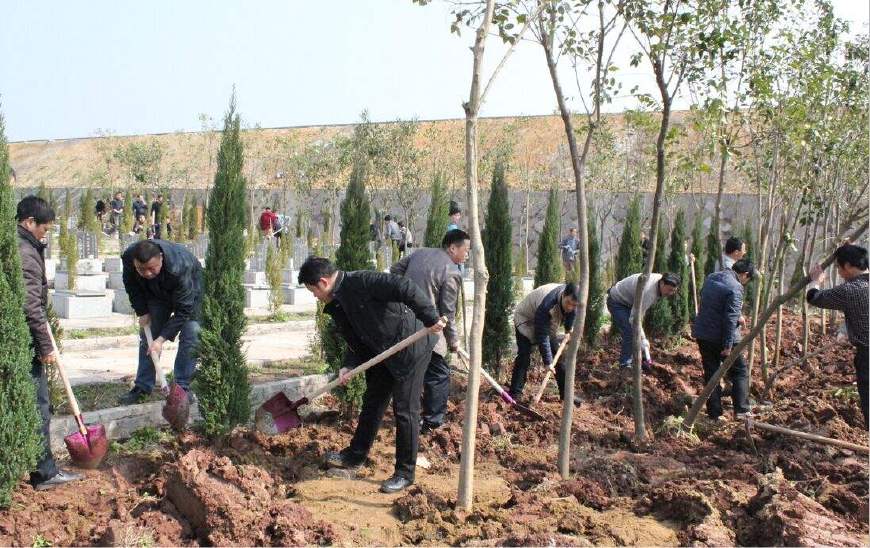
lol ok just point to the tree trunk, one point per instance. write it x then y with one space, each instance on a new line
469 427
578 164
746 341
717 209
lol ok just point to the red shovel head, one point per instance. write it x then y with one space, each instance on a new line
176 410
283 412
88 451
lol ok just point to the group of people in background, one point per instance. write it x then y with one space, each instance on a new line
146 220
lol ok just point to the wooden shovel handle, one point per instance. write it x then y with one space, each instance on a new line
492 382
70 396
161 375
811 437
550 369
395 349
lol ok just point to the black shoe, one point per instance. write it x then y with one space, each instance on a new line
62 476
427 428
646 366
578 401
396 484
340 459
136 395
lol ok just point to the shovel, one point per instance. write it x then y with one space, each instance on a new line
89 444
176 410
501 391
285 413
550 371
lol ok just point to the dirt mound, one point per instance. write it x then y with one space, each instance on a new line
780 515
226 503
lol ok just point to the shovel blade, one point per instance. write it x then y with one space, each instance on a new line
176 410
529 412
88 451
284 412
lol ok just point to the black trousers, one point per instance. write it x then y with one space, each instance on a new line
523 362
436 389
862 376
46 468
381 386
711 357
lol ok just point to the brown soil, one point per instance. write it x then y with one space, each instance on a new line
707 488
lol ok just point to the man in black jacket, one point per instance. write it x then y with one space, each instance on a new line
34 218
373 311
164 283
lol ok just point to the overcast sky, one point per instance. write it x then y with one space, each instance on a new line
71 69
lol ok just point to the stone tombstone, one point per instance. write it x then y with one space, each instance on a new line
126 240
300 251
87 242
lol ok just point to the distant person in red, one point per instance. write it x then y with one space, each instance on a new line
267 220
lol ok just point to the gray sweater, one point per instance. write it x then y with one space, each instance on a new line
623 293
435 272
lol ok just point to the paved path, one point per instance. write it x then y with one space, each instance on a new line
107 359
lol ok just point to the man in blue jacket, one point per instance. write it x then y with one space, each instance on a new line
164 283
716 330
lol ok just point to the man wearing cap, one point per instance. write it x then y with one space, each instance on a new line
717 330
620 303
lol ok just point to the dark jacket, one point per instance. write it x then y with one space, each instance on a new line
721 303
179 286
373 311
32 253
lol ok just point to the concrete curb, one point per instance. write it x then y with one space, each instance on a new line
121 422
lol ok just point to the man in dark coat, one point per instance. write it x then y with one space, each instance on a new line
373 311
164 283
716 329
34 220
851 297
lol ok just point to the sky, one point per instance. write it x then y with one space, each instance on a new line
78 69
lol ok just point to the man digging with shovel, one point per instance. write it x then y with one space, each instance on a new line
164 283
536 320
34 218
372 311
435 272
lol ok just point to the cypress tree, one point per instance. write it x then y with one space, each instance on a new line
595 304
20 443
679 264
192 222
549 267
714 249
353 250
630 258
497 243
273 275
87 219
750 289
698 252
659 320
127 216
222 381
439 207
352 254
67 205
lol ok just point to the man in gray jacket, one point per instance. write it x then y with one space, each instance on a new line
34 218
716 329
620 303
435 271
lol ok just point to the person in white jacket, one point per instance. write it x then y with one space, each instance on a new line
620 303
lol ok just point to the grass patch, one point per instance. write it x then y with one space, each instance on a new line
281 317
309 365
99 395
92 332
143 440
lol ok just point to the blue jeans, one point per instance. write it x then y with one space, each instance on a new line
619 315
185 363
